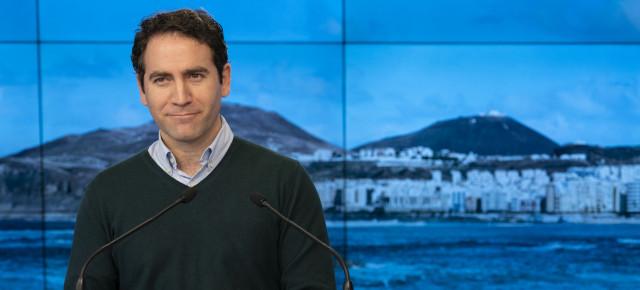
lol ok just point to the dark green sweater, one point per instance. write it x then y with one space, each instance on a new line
220 240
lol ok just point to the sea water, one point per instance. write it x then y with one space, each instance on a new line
403 255
490 256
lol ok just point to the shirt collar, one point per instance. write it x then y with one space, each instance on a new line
211 155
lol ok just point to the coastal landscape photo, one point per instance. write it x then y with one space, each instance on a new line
475 144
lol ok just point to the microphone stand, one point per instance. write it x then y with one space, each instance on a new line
261 201
186 196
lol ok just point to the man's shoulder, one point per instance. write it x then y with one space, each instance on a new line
124 168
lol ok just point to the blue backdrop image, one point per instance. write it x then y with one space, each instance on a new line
454 144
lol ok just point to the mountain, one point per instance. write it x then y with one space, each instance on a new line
72 161
265 128
483 135
271 130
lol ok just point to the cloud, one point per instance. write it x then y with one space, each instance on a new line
631 9
602 96
300 83
3 106
128 115
80 61
332 27
582 102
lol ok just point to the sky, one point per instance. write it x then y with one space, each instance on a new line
569 93
494 20
18 97
567 69
242 20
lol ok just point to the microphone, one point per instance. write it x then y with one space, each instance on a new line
259 200
186 196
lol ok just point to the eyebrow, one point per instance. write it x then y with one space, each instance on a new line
194 70
156 74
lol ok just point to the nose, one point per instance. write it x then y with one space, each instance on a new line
182 94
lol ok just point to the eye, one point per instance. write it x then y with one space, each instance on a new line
196 76
159 80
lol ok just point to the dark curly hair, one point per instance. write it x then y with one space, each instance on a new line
197 24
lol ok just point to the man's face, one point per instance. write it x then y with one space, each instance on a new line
182 90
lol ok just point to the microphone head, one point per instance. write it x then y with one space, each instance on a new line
257 198
188 194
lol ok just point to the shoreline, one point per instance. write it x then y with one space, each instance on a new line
332 216
508 218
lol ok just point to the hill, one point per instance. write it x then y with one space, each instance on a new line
70 162
482 135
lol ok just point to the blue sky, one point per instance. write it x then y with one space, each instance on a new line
18 97
399 78
493 20
303 83
97 90
570 93
242 20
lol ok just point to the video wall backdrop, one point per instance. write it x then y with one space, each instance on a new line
463 143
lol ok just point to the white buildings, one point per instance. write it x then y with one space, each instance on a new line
494 201
633 196
600 189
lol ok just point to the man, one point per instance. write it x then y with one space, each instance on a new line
220 240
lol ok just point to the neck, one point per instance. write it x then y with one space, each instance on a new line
188 160
188 154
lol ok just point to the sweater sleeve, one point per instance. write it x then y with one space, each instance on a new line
304 264
91 232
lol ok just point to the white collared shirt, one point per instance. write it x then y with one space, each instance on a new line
209 159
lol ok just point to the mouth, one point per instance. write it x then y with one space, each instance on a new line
182 115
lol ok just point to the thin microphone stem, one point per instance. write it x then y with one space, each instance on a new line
80 281
347 283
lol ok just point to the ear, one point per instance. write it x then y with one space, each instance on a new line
143 97
226 80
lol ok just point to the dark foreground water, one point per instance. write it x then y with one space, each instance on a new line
394 255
